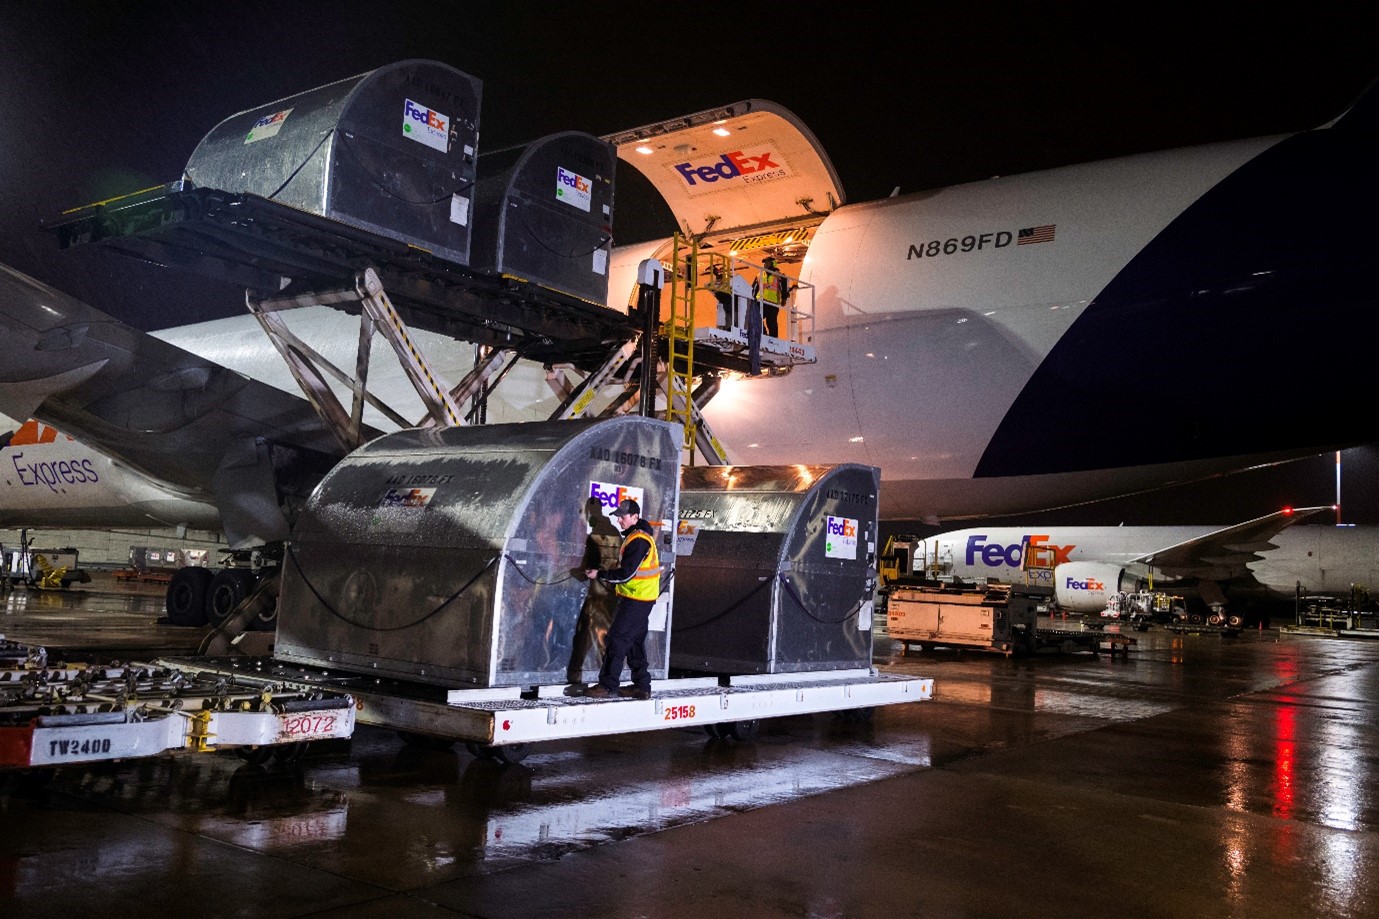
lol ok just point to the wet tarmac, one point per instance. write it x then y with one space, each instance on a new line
1200 775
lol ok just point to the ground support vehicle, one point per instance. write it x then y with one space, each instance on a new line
501 723
1090 638
46 569
55 714
987 616
51 715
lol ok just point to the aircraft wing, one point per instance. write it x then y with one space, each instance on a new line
1225 554
205 430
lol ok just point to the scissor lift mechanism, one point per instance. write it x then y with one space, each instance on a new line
310 260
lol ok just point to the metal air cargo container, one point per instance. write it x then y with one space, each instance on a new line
392 151
778 573
544 214
455 556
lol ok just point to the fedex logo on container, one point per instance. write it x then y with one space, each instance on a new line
426 126
573 188
841 533
608 495
407 497
267 126
752 165
996 555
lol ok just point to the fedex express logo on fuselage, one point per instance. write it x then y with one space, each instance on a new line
752 165
54 474
996 555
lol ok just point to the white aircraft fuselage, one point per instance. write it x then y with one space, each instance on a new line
999 347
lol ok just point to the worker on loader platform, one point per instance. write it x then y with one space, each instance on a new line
637 583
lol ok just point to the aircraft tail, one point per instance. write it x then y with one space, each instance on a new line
1363 114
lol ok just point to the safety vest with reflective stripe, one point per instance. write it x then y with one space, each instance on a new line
646 583
771 284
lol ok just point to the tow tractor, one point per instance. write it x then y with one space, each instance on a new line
46 569
925 608
988 616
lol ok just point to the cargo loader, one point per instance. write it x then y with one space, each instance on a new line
432 586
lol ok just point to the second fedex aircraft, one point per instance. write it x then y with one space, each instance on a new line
1224 573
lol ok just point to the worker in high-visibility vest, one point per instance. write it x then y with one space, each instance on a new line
771 289
637 582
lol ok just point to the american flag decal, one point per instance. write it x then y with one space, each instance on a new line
1030 235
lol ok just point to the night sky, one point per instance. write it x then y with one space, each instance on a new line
101 98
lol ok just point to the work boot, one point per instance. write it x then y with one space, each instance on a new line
632 692
598 691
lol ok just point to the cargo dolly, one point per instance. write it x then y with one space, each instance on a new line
64 714
56 714
502 723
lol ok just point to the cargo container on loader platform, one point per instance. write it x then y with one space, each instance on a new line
432 586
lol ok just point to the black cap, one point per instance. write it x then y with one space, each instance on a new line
769 258
627 506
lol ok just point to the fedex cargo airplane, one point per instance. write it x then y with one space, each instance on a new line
1229 574
48 479
995 348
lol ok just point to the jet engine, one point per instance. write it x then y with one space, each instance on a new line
1085 587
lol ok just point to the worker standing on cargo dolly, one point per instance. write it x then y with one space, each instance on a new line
637 583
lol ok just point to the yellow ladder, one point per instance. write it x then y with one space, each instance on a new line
679 333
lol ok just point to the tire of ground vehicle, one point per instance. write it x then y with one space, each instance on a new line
228 587
506 753
186 598
744 730
255 756
427 741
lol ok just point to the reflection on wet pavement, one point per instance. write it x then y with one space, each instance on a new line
1241 768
